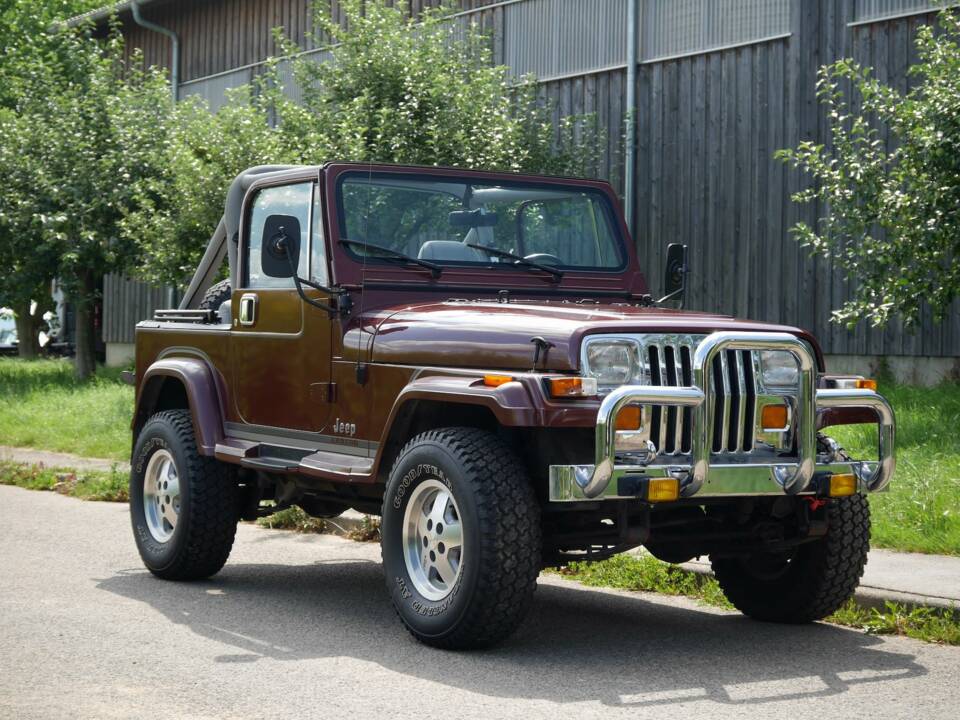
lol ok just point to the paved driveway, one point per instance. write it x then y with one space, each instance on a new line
298 627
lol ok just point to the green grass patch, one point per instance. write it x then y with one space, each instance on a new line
293 518
45 407
921 510
109 486
646 573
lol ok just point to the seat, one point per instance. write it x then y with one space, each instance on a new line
449 250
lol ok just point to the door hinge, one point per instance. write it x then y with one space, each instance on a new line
325 392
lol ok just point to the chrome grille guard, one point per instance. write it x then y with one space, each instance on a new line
585 482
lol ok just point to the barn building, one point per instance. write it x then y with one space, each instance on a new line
719 86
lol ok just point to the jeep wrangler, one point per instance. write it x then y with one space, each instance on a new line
475 358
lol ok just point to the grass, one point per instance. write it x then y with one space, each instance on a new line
109 486
921 510
646 573
45 407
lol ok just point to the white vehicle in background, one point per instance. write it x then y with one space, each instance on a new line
8 332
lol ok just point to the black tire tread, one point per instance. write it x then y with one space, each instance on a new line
831 572
216 295
212 524
510 544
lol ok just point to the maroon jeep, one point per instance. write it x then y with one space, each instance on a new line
474 357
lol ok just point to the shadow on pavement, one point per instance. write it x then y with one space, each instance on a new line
577 644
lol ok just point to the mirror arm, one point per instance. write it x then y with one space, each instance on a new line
343 299
671 296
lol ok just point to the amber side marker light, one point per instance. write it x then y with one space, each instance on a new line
629 418
663 490
866 384
565 387
496 380
773 417
843 484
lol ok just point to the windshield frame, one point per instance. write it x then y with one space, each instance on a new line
597 200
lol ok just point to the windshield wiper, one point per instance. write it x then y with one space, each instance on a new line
391 254
519 260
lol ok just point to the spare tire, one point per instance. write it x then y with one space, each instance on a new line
216 295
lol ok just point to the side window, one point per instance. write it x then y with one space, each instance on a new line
318 257
287 200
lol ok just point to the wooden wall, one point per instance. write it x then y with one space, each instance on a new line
708 125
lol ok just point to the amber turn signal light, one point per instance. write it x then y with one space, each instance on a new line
866 384
843 484
565 387
773 417
629 418
663 490
496 380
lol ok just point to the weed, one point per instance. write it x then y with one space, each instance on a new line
293 518
87 484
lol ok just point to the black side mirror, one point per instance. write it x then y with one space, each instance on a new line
675 273
280 253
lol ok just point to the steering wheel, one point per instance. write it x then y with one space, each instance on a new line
544 258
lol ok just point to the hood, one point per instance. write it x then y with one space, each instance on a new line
492 335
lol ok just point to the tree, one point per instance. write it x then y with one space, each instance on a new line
90 135
28 267
419 90
893 212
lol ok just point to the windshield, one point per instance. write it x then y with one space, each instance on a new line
450 221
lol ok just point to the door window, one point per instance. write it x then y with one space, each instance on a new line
287 200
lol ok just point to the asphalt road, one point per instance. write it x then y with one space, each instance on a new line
300 626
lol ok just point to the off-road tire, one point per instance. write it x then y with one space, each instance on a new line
819 578
216 295
207 522
500 520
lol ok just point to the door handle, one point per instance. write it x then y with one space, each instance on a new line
248 309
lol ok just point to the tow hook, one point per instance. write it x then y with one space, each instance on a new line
815 503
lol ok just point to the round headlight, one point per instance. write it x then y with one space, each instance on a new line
614 363
779 369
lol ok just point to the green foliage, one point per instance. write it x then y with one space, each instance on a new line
293 518
45 406
646 573
892 223
112 486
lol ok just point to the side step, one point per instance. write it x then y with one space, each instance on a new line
338 467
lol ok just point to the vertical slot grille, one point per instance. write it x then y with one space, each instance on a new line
734 399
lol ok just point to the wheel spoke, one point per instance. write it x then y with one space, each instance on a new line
444 569
438 512
169 514
452 535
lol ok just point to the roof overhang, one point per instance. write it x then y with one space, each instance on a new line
100 14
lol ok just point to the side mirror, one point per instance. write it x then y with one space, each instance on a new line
280 253
675 273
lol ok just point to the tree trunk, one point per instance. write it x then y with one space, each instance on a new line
85 362
27 331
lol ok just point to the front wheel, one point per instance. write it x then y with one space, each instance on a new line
460 538
183 506
809 583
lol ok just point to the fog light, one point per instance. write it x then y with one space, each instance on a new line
843 484
629 418
663 489
774 417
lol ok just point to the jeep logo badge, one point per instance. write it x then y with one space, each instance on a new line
344 428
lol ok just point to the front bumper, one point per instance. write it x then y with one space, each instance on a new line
699 475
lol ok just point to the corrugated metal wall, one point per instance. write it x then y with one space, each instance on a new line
722 84
126 302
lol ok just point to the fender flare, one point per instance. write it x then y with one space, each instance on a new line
203 388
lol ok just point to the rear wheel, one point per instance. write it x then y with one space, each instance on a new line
183 506
460 538
808 583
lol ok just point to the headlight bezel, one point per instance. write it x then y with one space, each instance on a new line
637 374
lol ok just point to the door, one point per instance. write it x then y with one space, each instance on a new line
281 345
